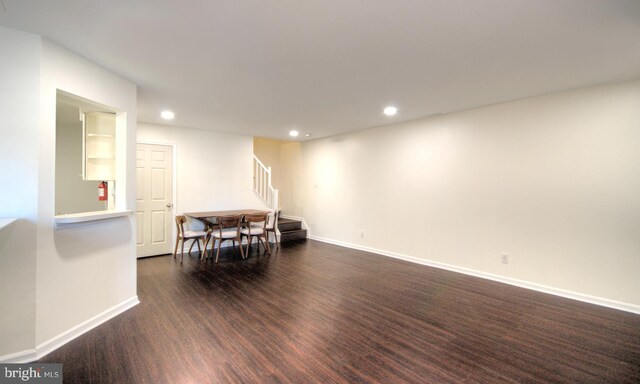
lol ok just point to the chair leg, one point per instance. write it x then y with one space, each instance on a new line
248 244
175 250
182 252
205 242
266 244
240 246
275 238
199 249
219 246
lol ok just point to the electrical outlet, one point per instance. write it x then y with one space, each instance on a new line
362 233
504 258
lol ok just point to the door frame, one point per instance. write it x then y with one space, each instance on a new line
174 182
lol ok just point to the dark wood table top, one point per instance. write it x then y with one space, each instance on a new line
207 214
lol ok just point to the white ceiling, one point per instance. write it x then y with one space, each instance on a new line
263 67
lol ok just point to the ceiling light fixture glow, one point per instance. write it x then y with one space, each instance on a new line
294 133
390 110
167 115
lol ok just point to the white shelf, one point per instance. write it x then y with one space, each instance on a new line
99 146
84 217
4 223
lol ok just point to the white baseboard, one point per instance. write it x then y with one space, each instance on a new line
20 357
627 307
291 217
56 342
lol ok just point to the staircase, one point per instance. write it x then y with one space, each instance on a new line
291 230
288 230
262 184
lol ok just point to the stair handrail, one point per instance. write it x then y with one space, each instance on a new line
262 185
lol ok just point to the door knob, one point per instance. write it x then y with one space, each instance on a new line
169 205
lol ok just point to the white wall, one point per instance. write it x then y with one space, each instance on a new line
213 170
291 190
73 194
56 283
553 181
86 270
19 95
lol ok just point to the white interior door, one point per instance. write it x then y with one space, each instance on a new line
154 199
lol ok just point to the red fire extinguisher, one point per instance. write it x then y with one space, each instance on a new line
103 191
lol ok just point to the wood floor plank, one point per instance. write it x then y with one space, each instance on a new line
317 313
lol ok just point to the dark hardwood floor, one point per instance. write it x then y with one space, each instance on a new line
318 313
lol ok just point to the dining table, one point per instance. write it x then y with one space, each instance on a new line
206 215
208 218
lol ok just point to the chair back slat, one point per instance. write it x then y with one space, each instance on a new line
180 220
228 221
272 219
256 218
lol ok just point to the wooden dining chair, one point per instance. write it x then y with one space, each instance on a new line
272 226
226 228
183 235
256 226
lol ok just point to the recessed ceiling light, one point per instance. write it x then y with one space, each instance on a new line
390 110
294 133
308 134
167 115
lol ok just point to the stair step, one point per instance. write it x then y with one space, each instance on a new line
289 225
292 235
